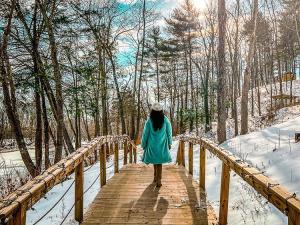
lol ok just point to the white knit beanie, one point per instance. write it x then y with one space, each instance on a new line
157 106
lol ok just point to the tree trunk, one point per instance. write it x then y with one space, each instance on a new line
120 99
103 95
247 75
38 125
38 108
221 95
46 132
191 82
52 101
57 79
157 73
141 74
86 125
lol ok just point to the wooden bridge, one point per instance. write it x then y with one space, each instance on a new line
129 197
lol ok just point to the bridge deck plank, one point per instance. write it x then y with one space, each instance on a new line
130 197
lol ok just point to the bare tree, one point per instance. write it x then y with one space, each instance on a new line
221 130
247 73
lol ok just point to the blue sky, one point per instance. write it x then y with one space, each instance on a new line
168 5
165 7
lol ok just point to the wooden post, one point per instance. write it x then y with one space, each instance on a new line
111 147
178 157
125 152
79 192
130 153
182 153
293 218
134 154
102 164
116 158
225 179
191 158
202 167
19 217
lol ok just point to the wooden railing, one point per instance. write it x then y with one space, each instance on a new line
286 102
13 208
275 193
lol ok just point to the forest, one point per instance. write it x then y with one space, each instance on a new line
73 70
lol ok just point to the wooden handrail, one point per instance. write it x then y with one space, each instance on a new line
13 208
275 193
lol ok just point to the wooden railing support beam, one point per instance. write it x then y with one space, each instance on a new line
79 192
178 156
102 160
111 148
183 154
19 217
125 152
293 218
191 158
180 153
116 157
224 196
134 154
130 153
202 167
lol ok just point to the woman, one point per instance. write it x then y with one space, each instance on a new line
157 140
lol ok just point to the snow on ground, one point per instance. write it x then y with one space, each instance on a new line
255 122
61 210
245 205
272 150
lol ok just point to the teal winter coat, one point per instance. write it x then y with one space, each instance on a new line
156 143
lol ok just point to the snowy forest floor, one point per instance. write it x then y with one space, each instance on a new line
256 121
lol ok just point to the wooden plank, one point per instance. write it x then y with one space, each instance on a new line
79 193
134 199
116 157
191 158
224 196
202 167
173 221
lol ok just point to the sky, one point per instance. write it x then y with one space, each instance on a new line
168 5
171 4
165 7
198 3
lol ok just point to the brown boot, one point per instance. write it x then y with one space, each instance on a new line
159 173
155 173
